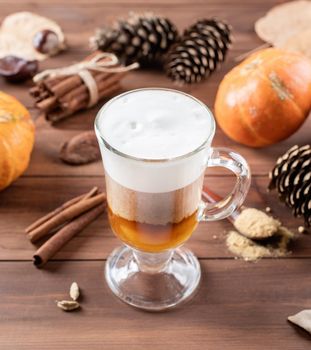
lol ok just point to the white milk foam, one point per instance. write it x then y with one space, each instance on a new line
154 124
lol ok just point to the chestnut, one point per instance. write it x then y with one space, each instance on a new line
16 69
46 42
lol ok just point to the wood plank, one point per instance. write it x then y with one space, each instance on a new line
239 306
45 157
31 198
91 17
45 160
167 3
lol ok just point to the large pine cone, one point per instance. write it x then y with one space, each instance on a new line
202 47
140 38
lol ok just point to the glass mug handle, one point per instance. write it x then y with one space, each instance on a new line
224 157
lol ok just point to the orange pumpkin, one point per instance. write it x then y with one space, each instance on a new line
16 139
266 98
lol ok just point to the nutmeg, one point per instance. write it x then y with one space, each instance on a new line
46 42
80 149
16 69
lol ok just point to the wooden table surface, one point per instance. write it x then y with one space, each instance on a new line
239 305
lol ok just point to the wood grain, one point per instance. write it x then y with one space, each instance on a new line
45 157
239 306
167 3
45 160
32 197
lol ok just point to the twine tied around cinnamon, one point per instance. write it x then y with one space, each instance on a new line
96 63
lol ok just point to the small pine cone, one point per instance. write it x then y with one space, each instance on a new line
202 47
291 177
140 38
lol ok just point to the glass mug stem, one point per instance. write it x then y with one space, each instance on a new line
152 262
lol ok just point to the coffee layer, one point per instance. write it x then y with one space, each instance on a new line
154 208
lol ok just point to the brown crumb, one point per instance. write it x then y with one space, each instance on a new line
245 247
251 250
302 229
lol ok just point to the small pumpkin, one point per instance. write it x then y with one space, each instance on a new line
16 139
266 98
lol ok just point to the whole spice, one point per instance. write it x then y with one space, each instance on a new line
73 216
46 41
67 204
65 234
68 305
15 69
18 31
74 291
80 149
61 92
66 215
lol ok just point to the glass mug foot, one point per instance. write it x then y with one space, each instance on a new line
152 281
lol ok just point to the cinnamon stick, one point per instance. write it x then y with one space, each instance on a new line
78 98
60 209
49 83
65 111
66 85
103 80
47 103
43 95
69 84
83 95
64 216
58 97
56 242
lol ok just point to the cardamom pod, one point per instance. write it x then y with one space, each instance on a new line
74 291
68 305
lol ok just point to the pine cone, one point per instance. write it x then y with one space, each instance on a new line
291 176
202 47
139 38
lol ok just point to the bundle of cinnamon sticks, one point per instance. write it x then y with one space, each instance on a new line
60 94
69 219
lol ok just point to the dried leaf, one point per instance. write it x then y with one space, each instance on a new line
284 21
74 291
68 305
302 319
300 42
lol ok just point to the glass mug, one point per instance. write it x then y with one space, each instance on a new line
154 203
